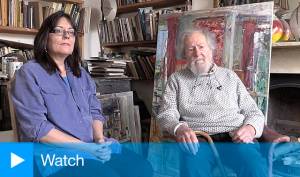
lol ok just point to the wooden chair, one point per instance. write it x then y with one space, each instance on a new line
12 112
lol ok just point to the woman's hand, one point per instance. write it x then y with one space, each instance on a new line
103 152
100 150
100 139
98 131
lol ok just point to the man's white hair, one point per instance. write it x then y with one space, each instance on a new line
180 45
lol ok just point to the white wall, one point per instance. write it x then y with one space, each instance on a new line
203 4
285 60
293 3
91 39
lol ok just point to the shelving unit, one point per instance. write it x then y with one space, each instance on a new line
123 9
68 1
289 44
14 30
153 3
129 27
132 44
33 31
17 44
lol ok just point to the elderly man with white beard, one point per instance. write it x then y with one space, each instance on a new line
212 99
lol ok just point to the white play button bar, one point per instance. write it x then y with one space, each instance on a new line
15 160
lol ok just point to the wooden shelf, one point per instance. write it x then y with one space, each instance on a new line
14 30
16 44
111 78
68 1
28 31
142 80
286 44
153 3
132 44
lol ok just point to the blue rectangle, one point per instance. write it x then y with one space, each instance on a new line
20 150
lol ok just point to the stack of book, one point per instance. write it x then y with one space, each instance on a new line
27 54
141 66
128 2
137 26
106 68
21 52
130 27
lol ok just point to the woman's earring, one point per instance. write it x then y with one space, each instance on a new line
46 50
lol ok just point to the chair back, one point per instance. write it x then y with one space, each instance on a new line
12 112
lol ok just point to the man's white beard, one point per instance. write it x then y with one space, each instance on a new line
199 68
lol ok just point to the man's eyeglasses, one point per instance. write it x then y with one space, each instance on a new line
62 32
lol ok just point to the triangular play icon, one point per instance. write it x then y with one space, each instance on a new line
15 160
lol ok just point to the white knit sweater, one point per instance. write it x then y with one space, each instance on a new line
216 102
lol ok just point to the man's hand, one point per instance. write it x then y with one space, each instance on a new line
282 139
244 134
187 139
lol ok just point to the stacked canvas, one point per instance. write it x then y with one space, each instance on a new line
123 121
141 65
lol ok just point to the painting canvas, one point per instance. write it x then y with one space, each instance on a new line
243 44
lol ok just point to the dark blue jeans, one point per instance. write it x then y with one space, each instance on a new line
245 160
